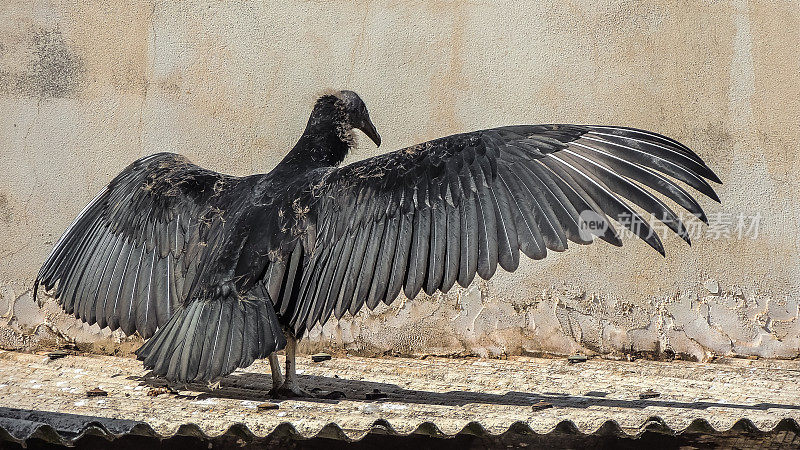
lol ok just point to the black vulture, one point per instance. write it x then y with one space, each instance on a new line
215 271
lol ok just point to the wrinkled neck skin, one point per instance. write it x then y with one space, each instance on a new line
327 139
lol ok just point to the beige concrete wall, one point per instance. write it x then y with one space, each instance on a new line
87 87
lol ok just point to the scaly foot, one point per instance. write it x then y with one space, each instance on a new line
287 391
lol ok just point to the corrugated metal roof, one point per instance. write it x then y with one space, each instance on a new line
21 426
46 399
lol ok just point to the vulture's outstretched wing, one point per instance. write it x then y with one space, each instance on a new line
132 260
126 259
437 213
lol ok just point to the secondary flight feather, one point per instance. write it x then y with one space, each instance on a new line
216 271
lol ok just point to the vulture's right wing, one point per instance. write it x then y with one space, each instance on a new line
437 213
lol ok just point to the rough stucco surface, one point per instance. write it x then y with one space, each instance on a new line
85 88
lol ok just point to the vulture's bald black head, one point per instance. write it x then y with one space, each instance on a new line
353 113
329 136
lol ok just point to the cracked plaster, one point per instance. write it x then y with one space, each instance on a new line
85 89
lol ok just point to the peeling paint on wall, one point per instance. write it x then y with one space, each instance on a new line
85 89
698 326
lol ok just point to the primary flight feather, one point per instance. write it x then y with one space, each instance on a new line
216 270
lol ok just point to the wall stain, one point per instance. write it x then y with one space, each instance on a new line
6 215
54 71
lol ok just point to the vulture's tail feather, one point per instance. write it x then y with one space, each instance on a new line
210 338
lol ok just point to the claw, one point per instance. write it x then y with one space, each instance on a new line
285 391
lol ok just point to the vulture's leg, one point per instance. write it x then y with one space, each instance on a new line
290 388
277 377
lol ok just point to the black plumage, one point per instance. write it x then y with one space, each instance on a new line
211 268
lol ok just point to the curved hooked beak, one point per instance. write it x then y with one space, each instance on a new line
369 129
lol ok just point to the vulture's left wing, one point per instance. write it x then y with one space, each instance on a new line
130 257
428 216
146 256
